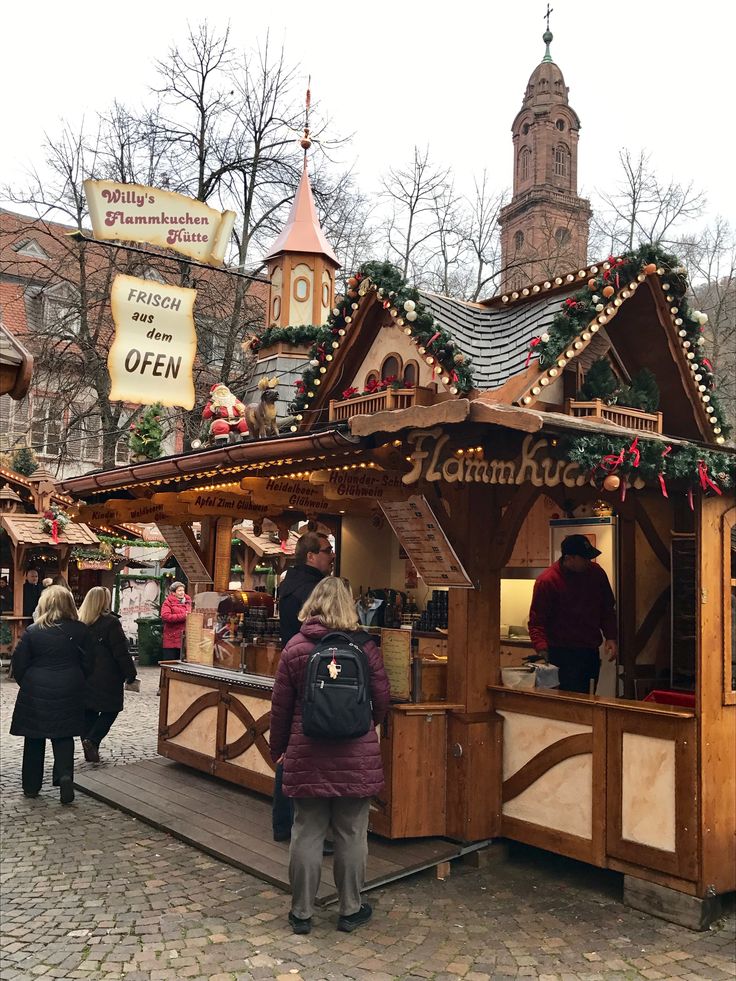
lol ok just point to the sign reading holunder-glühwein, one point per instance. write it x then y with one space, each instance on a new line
135 213
152 356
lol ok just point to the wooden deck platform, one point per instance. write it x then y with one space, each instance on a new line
234 825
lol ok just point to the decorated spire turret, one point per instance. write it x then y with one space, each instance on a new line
301 262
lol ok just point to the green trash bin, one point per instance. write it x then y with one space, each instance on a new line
150 640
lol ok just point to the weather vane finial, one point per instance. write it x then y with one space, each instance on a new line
305 141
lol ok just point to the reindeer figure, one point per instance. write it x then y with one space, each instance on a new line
261 416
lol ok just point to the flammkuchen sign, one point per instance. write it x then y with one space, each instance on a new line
152 356
134 213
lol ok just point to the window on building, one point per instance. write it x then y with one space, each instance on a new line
122 452
561 161
518 240
411 373
371 378
560 124
391 367
562 236
525 128
45 429
85 435
276 308
301 288
31 248
61 313
525 163
14 422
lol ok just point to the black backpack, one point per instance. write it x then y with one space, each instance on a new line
337 691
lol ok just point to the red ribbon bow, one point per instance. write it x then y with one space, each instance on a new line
432 339
705 480
532 344
55 530
708 364
660 475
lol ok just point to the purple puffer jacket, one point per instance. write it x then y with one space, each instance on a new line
316 767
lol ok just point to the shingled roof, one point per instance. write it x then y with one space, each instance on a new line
497 339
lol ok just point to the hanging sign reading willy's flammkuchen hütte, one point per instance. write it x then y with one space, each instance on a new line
152 356
134 213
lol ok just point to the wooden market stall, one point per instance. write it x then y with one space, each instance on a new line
449 446
30 545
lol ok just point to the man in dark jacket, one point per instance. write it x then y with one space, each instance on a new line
314 559
32 590
572 606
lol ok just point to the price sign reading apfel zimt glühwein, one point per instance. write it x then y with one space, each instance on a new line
152 356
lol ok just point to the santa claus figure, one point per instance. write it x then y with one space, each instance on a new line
227 414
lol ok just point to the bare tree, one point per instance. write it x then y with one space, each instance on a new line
711 263
482 235
447 268
412 192
642 208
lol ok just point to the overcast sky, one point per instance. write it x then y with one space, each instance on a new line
654 76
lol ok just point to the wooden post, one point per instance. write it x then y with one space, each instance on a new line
223 536
716 720
473 755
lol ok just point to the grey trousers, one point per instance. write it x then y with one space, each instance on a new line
348 817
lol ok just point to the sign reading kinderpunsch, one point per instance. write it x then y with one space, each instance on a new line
152 356
134 213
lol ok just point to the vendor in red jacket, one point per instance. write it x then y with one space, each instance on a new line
572 606
174 611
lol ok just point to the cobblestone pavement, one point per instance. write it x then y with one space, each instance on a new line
88 892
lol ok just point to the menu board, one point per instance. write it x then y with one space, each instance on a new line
426 544
200 640
396 651
184 553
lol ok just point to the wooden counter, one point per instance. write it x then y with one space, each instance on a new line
608 781
217 720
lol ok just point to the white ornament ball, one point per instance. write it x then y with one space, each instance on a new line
409 305
544 338
599 308
596 298
411 315
314 363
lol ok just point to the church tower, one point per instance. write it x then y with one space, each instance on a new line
544 229
301 263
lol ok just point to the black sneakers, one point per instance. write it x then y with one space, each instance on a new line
349 923
298 925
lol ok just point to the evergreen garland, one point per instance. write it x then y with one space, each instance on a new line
392 290
582 308
283 335
114 541
650 459
147 433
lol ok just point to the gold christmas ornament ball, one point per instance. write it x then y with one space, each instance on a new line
612 482
650 268
591 284
608 291
352 282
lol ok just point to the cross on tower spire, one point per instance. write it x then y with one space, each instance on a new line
547 36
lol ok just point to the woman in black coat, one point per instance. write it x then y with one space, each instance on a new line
113 667
50 663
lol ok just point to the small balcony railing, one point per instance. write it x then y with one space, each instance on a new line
616 415
391 398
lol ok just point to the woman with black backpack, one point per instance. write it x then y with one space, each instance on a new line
113 667
331 780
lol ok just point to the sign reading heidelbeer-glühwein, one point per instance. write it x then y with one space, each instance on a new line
152 356
135 213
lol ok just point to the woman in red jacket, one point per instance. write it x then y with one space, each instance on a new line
174 611
331 781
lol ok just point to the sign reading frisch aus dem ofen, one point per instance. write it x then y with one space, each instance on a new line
152 356
135 213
